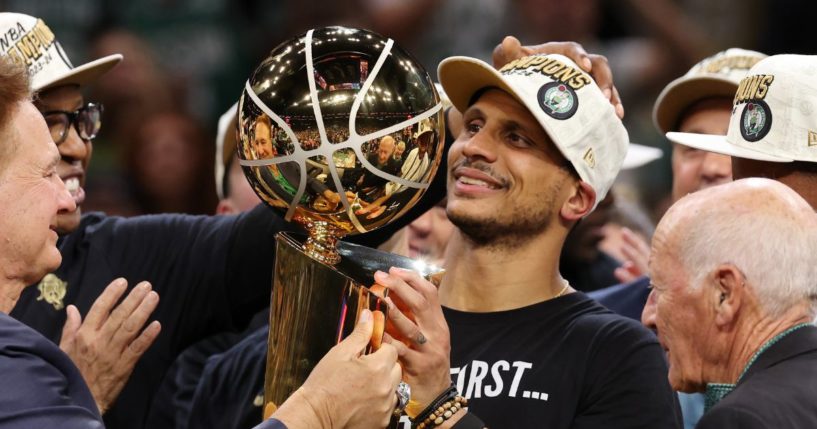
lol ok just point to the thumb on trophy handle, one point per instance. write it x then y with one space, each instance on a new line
356 342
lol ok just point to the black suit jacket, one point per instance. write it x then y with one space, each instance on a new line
778 391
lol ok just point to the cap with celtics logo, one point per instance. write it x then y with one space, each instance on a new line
28 41
774 116
714 76
565 101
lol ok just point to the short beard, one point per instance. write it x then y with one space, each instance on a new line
513 230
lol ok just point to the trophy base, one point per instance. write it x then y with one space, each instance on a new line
314 305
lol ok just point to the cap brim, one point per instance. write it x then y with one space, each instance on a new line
719 144
84 74
685 91
640 155
462 77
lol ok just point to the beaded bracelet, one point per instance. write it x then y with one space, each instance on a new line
443 412
440 409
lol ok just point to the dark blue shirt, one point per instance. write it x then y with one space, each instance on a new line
39 385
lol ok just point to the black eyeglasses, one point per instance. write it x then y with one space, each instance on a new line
87 120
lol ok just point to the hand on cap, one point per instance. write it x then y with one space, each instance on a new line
597 65
108 344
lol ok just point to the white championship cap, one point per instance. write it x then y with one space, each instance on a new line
28 41
225 146
565 101
715 76
774 115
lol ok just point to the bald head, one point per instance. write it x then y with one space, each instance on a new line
743 197
761 226
385 149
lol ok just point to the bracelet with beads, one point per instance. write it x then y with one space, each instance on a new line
442 413
447 395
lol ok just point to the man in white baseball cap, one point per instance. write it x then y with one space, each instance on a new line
29 41
540 148
773 126
700 101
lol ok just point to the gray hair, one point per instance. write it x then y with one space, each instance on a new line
776 252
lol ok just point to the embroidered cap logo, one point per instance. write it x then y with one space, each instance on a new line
755 121
558 100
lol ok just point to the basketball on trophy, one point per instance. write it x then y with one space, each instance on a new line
340 129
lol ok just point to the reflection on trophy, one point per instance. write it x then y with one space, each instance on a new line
340 130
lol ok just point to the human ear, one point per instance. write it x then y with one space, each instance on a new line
727 294
579 203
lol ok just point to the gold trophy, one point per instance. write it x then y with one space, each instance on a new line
340 130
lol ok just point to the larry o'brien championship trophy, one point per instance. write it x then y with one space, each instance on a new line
340 130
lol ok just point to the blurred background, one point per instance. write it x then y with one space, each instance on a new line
186 62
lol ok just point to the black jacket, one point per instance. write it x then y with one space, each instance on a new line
778 391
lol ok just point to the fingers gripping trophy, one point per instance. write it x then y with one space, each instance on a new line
340 130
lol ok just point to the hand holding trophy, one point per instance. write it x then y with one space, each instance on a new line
340 130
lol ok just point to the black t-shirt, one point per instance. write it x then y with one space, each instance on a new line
563 363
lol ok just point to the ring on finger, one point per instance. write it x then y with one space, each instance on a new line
403 393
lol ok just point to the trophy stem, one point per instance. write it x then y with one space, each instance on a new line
322 243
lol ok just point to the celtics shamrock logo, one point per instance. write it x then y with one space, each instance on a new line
755 121
558 100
